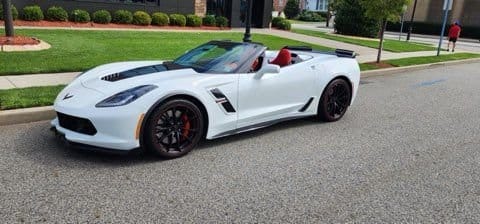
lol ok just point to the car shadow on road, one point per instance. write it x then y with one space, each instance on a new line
41 146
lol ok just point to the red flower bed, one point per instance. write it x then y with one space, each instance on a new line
18 40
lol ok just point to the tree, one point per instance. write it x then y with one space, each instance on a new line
7 15
292 9
350 19
384 11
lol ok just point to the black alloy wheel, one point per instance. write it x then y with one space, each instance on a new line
174 128
334 101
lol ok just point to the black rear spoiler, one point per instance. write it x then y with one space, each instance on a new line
339 52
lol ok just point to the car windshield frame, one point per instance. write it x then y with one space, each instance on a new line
220 57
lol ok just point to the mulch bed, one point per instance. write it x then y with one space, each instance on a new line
381 64
44 23
18 40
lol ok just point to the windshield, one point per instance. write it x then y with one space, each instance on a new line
218 56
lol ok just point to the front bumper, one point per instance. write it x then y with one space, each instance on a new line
113 130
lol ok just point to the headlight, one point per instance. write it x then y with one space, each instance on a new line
126 97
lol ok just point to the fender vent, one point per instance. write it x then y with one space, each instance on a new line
223 100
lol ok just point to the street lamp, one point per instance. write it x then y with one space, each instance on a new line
411 21
247 37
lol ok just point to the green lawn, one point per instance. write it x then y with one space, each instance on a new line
431 59
422 60
28 97
389 45
78 50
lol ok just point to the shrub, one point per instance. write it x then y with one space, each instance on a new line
160 19
122 17
277 20
32 13
12 8
209 20
292 9
79 16
178 20
193 20
284 25
102 16
310 16
141 18
350 19
221 21
56 13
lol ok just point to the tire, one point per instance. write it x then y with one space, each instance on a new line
174 128
334 101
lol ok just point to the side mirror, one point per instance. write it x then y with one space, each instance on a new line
267 68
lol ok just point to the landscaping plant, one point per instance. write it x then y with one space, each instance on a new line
194 20
122 17
178 20
32 13
221 21
292 9
350 19
56 13
141 18
79 16
102 17
209 20
160 19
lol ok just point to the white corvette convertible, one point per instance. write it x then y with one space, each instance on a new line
217 89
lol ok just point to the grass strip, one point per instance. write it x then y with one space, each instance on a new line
389 45
28 97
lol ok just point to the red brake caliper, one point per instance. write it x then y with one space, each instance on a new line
186 126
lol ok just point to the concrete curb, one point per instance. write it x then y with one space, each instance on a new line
19 116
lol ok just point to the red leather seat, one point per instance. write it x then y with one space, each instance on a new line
283 58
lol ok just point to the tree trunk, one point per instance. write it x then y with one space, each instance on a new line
380 45
328 18
7 15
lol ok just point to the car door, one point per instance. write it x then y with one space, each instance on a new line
275 95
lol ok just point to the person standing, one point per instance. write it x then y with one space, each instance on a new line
453 35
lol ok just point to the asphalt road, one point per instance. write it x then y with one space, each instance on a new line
407 151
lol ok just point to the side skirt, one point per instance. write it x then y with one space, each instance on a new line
257 126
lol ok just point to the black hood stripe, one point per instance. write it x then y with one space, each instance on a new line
145 70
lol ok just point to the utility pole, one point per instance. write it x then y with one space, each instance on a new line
247 37
7 16
447 6
411 20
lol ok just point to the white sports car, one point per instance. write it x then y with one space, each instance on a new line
217 89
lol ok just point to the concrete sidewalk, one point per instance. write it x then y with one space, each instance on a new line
22 81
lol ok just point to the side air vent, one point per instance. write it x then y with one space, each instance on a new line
220 98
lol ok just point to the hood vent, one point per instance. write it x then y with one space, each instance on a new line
135 72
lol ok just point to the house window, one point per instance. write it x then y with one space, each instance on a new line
316 5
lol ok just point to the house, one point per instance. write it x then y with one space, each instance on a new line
431 11
234 10
309 5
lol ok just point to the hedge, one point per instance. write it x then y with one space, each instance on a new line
160 19
193 20
102 17
141 18
178 20
56 13
32 13
79 16
221 21
122 17
209 20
